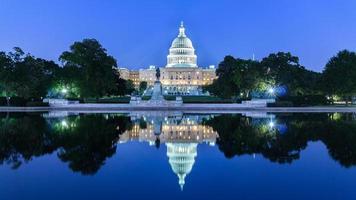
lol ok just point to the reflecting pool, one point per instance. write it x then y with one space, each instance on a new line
176 155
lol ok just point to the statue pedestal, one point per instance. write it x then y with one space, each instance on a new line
157 92
157 99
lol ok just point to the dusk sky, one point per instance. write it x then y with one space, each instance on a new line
139 33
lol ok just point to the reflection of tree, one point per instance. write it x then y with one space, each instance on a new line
93 139
23 137
238 136
83 141
340 139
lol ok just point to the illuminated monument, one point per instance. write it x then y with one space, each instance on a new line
181 75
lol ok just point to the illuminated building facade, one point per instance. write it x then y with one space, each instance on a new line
181 75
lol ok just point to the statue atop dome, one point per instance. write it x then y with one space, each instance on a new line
181 30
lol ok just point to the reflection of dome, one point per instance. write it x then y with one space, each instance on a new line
181 53
181 158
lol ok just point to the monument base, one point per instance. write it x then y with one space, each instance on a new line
157 92
157 98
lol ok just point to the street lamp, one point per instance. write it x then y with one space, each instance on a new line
64 91
271 91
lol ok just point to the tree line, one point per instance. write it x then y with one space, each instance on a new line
282 74
85 71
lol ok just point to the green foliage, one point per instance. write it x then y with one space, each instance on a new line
229 78
240 135
22 138
84 142
280 104
284 70
240 78
125 99
24 75
142 87
123 87
199 99
146 98
305 100
37 104
339 75
90 67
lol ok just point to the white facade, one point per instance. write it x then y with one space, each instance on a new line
181 75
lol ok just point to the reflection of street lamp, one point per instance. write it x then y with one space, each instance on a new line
64 124
271 124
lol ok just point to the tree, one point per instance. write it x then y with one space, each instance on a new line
237 78
34 77
339 75
284 70
143 86
229 79
6 76
129 87
95 74
24 75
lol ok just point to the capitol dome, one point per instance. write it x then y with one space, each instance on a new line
182 52
182 42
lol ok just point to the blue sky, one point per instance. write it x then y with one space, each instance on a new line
139 33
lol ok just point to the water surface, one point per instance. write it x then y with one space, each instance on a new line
175 155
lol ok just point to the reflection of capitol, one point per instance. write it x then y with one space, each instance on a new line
181 158
181 134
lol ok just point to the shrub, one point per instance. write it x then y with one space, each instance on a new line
108 100
306 100
280 104
17 101
3 101
37 104
205 99
170 98
146 98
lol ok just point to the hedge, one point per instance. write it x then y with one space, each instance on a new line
109 100
306 100
199 99
280 104
37 104
3 101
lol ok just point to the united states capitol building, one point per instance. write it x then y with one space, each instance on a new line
181 75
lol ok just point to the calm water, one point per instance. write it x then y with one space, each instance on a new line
155 155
